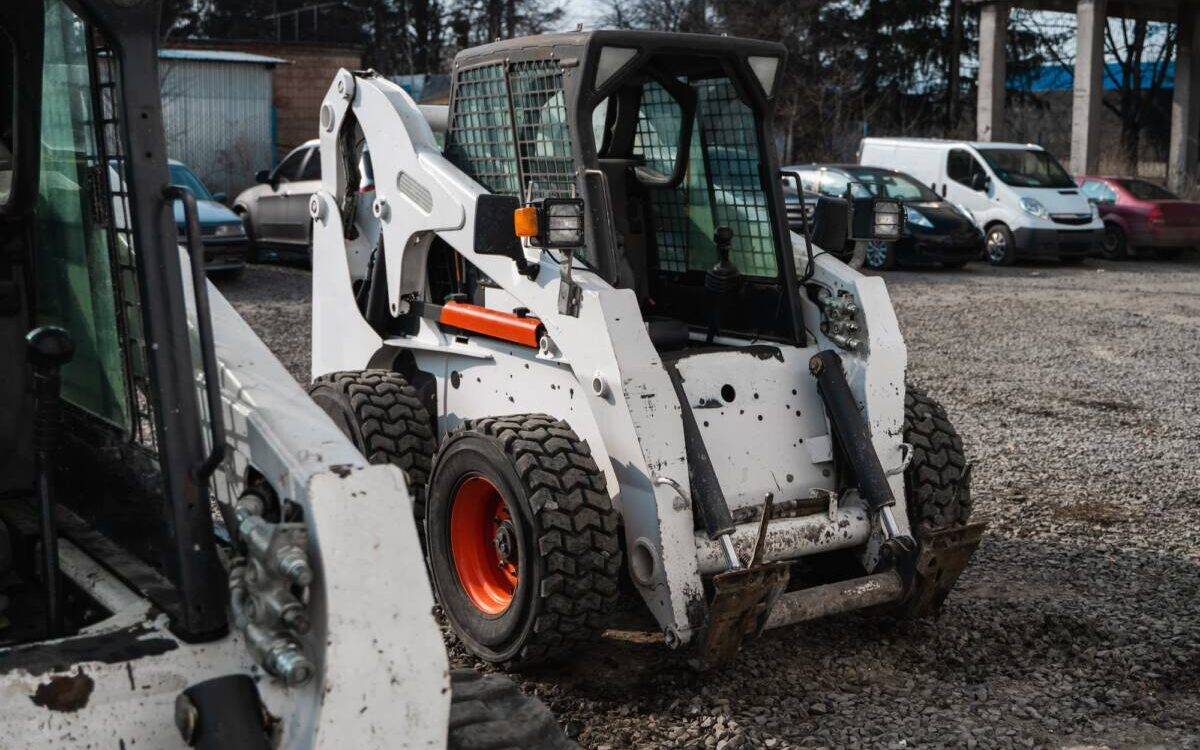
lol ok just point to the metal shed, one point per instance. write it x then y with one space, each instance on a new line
218 114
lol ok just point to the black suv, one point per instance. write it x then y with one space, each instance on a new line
935 231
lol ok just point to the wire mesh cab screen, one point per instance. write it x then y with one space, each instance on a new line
722 185
508 129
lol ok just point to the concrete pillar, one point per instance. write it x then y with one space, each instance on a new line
1091 16
993 30
1185 107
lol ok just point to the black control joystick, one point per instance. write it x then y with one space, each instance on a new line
722 279
49 348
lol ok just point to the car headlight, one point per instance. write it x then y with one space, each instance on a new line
1034 206
916 218
1095 212
229 230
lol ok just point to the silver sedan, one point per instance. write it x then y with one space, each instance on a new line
275 211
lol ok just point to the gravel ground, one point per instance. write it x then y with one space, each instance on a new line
1077 391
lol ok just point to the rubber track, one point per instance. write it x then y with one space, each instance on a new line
936 498
489 712
395 425
576 527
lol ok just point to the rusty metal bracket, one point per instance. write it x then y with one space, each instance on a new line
941 557
742 600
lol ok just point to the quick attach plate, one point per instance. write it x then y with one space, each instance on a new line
941 558
742 600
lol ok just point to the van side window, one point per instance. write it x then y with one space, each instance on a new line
962 167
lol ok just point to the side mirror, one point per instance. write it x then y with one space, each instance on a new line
495 229
979 182
220 197
830 230
262 176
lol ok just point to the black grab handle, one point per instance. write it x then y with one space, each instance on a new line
208 356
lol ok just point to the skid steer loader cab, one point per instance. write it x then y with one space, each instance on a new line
691 393
191 553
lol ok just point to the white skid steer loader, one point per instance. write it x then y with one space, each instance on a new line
191 553
584 331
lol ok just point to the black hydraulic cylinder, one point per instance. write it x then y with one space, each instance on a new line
851 429
49 348
706 492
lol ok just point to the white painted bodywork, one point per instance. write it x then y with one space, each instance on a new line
382 673
634 429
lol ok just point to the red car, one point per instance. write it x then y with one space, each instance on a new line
1139 215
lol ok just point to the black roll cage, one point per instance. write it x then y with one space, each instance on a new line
578 54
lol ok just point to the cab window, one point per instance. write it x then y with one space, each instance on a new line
289 168
1099 191
834 184
962 167
8 73
312 167
75 255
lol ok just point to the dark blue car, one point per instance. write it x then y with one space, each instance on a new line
221 230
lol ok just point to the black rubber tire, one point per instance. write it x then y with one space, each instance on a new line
1115 245
384 417
936 496
489 712
1009 256
566 536
252 252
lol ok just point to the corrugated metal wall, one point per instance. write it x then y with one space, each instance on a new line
218 119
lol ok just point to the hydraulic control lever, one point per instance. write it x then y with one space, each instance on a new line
720 280
854 435
49 348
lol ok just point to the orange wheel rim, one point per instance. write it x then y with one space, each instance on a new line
483 543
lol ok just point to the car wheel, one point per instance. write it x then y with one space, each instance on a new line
881 255
1115 246
252 253
1000 249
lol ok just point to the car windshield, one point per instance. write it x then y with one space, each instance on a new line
1148 191
1027 168
181 175
892 185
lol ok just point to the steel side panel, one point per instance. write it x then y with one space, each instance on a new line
757 441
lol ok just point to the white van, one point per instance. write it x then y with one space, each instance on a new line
1026 203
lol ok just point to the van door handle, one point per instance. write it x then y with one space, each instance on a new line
943 190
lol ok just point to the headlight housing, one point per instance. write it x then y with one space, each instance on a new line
1034 207
916 218
229 230
1095 212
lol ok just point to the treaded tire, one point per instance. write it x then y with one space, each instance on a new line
385 419
489 712
1115 245
565 531
936 496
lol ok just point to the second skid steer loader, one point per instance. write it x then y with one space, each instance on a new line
582 328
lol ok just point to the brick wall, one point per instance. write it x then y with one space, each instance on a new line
298 86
